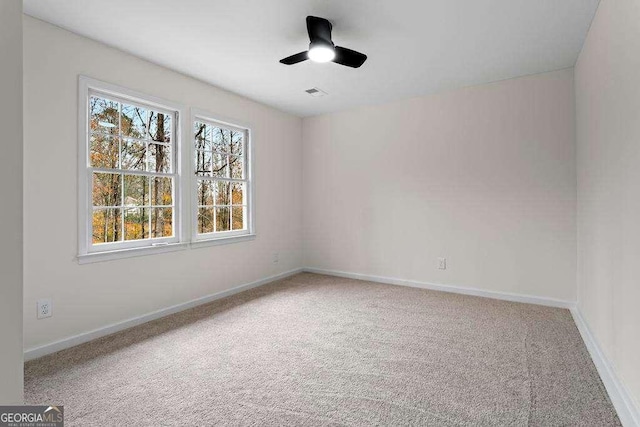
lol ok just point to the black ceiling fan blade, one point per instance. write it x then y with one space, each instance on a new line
349 57
294 59
319 30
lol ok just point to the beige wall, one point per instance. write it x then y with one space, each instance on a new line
484 176
11 212
607 79
86 297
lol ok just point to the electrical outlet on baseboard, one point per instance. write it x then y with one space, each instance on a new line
45 308
276 257
442 263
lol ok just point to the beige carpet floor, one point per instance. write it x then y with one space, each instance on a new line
318 350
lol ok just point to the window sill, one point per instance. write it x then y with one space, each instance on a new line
222 241
130 253
151 250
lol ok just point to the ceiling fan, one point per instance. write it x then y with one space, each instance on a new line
322 49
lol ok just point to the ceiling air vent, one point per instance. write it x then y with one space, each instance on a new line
314 91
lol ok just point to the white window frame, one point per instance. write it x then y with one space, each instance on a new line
222 237
87 251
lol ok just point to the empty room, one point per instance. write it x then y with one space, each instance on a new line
320 212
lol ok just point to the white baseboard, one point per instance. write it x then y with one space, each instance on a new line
35 352
551 302
627 410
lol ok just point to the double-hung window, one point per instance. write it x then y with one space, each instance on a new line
221 180
129 174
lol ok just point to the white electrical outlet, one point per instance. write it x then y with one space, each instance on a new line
45 308
276 257
442 263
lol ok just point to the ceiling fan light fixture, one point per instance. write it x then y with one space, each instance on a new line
322 48
321 53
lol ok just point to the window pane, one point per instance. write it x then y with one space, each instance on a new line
205 192
203 163
202 133
104 115
220 166
220 139
107 189
159 126
133 121
237 167
161 222
161 191
159 158
103 152
237 143
221 192
136 223
237 193
219 153
222 219
133 155
136 190
238 218
205 220
106 225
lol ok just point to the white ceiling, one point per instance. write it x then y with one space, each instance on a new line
415 47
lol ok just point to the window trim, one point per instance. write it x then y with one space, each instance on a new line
87 252
222 237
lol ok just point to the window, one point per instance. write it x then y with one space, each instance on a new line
129 173
133 198
221 182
